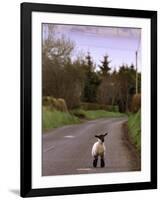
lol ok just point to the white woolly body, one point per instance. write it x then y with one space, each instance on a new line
98 149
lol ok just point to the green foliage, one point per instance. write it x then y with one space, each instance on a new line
54 119
134 125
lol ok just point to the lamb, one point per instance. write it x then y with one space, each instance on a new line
98 149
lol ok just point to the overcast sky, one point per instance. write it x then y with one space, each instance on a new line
120 44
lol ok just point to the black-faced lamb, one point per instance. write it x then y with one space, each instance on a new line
98 150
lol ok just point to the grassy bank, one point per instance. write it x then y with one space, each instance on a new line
54 118
134 125
101 114
95 114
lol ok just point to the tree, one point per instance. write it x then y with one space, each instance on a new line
104 68
72 83
56 53
118 88
126 87
54 47
103 94
91 81
62 77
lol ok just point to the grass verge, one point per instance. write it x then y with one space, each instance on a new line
95 114
54 119
134 126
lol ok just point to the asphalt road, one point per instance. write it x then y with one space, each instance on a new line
67 150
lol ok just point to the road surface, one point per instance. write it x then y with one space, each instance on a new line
67 150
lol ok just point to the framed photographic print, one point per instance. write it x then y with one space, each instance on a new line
88 99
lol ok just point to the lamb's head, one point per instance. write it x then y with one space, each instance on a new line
101 137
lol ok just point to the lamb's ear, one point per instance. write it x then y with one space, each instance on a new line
105 134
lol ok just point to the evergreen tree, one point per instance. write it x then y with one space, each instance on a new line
91 81
89 61
105 66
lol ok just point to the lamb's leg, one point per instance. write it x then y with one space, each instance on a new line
102 161
95 161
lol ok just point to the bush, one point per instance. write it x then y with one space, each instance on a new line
47 101
53 103
136 103
61 105
79 113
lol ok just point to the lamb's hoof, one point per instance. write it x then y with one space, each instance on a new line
95 162
102 163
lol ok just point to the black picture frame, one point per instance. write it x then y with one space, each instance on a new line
26 103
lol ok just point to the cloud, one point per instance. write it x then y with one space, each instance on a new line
133 33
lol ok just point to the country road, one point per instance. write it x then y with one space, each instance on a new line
67 150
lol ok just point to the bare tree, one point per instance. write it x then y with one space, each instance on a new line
62 77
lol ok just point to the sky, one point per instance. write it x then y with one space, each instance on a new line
120 44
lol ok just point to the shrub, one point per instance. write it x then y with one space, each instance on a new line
62 105
53 103
47 101
136 103
79 113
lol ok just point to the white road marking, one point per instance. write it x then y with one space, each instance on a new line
84 169
50 148
69 136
